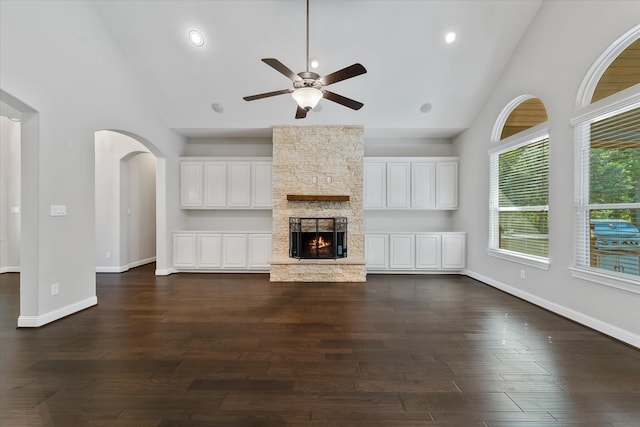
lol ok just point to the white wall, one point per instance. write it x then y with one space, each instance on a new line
562 43
140 209
58 59
9 195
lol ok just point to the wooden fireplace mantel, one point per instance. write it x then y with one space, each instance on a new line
317 198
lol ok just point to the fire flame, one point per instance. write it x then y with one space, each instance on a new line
320 243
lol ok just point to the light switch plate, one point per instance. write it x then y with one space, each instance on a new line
58 210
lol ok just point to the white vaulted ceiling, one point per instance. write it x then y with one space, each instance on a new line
400 42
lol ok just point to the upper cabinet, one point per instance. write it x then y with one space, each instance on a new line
225 184
411 183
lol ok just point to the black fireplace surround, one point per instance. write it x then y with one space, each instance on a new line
318 238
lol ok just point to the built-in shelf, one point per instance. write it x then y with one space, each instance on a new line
317 198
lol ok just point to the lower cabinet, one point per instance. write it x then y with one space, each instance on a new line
401 251
415 252
211 251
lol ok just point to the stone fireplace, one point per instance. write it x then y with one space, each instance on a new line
318 173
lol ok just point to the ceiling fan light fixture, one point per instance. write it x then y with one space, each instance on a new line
307 97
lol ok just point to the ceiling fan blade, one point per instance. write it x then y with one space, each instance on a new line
345 73
343 100
280 67
267 94
301 113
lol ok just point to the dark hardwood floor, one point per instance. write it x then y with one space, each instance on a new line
234 350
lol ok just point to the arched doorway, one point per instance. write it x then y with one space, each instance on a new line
127 232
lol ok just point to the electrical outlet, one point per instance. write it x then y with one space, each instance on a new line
55 288
523 275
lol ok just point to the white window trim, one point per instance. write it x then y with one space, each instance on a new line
521 139
614 104
606 279
529 260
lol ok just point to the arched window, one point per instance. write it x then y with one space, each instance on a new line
607 195
519 183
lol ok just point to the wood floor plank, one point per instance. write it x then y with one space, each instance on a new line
236 350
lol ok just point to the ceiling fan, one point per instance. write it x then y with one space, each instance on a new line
308 87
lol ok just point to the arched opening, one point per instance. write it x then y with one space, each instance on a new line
126 177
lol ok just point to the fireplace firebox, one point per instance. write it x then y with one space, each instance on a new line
314 238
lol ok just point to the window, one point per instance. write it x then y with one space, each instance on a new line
520 198
519 184
608 199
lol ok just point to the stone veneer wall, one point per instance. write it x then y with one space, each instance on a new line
326 152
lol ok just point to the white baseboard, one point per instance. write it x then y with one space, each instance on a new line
123 268
37 321
166 271
142 262
10 269
586 320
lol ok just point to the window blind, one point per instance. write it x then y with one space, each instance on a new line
520 198
608 194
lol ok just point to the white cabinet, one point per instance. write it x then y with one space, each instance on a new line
375 184
239 184
415 252
454 251
376 251
191 184
447 184
428 254
261 196
208 183
411 183
209 251
401 251
423 185
184 250
220 251
398 185
234 251
215 184
259 250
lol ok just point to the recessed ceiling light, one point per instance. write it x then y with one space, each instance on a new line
313 62
450 37
196 38
217 107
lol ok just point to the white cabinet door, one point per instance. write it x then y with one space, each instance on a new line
428 251
215 184
423 185
234 251
261 188
239 184
376 251
375 182
401 253
453 251
191 184
447 184
209 255
259 250
398 185
184 250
